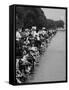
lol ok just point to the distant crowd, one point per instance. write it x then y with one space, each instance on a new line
31 43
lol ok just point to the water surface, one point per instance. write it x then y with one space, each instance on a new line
52 64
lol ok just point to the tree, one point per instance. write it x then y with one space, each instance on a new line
59 24
28 16
50 24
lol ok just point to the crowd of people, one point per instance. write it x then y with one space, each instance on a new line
31 43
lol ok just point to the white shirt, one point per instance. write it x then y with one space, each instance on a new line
33 48
18 36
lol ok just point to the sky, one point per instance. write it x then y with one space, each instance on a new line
55 14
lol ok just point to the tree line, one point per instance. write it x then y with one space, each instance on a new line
32 16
